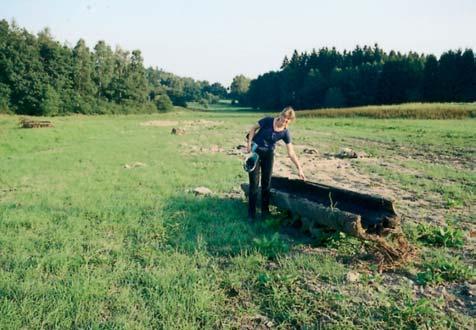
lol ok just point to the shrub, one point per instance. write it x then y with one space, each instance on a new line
51 103
163 103
4 98
203 103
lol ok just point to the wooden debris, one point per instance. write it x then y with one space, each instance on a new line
29 123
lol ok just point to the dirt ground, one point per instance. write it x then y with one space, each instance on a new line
332 169
184 124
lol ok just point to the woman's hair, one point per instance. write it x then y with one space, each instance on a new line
289 113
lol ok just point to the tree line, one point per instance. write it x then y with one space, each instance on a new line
364 76
40 76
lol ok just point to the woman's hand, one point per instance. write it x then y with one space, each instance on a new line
292 155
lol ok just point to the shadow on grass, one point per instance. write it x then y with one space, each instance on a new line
220 226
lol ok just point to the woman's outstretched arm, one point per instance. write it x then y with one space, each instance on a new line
292 155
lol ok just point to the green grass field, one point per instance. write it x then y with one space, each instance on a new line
99 228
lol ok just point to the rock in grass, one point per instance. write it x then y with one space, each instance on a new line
203 191
177 131
352 277
134 165
310 151
346 153
349 153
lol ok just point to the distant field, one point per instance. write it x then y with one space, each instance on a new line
100 228
223 105
403 111
409 111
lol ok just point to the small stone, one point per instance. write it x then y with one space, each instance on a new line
177 131
272 265
260 318
310 151
202 191
134 165
379 288
215 148
469 289
346 153
352 277
362 154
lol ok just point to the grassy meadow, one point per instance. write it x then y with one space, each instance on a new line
100 228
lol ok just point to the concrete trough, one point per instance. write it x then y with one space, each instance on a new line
317 205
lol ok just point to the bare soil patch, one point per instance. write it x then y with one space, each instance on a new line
335 170
160 123
182 124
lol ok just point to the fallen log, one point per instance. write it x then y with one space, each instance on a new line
340 209
366 216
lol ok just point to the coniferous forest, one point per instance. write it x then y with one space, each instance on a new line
364 76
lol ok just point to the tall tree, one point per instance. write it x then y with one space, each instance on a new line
23 71
103 68
118 86
83 70
430 84
239 87
466 90
136 78
448 75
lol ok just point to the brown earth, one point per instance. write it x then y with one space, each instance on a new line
182 124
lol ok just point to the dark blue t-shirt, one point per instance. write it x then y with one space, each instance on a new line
267 136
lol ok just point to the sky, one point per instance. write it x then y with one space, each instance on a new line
216 40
